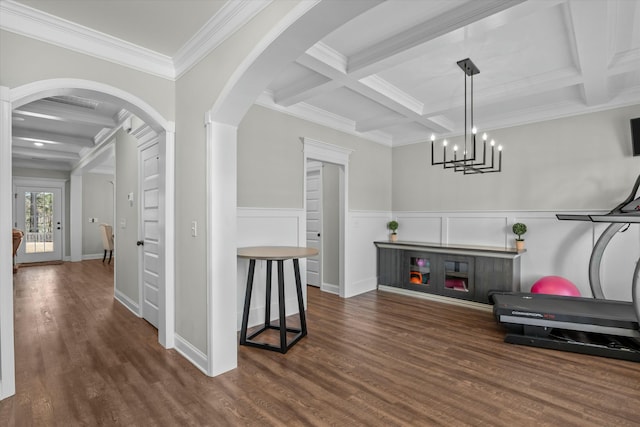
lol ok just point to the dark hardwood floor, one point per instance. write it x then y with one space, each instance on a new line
375 359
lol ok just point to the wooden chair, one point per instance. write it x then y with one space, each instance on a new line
17 239
107 240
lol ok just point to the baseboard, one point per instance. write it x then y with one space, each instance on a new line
332 289
127 302
93 256
437 298
362 286
192 354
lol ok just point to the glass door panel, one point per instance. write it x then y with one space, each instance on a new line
38 215
420 272
458 273
456 276
39 222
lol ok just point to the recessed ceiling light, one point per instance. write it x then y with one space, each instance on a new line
38 144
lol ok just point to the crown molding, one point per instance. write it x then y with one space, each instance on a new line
26 21
392 92
329 56
232 16
33 23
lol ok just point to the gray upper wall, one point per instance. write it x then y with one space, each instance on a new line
24 60
270 162
573 163
97 202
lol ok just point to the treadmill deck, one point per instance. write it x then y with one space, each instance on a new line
556 308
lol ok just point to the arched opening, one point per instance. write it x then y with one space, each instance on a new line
299 30
16 97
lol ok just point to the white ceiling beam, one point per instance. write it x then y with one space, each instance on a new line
381 122
50 138
304 89
31 153
64 113
40 164
591 40
396 104
518 89
55 147
400 48
325 118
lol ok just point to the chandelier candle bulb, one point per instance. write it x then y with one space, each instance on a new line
469 164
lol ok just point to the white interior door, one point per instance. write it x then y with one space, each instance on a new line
39 216
314 222
150 204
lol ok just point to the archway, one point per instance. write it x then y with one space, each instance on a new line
304 26
16 97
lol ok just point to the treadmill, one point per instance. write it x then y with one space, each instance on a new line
595 326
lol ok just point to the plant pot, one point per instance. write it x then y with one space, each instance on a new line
393 237
520 245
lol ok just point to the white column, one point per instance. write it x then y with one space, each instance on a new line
222 343
7 365
75 217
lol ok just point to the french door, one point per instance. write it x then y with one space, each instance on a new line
39 216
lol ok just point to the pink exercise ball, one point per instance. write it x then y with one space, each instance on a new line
555 285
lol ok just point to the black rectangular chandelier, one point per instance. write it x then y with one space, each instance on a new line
466 161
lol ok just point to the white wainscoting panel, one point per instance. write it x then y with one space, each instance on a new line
365 228
419 227
269 227
554 247
479 230
619 262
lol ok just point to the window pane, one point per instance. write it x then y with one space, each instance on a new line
38 208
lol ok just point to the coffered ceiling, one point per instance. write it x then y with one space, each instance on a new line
389 75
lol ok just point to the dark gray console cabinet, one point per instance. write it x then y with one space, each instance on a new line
464 272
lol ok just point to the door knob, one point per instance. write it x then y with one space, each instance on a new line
318 234
140 243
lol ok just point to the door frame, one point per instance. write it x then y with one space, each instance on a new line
316 166
11 98
329 153
44 183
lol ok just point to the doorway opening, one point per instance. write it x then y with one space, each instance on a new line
326 210
16 97
323 225
39 212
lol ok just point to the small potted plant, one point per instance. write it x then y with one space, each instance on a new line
519 229
393 226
